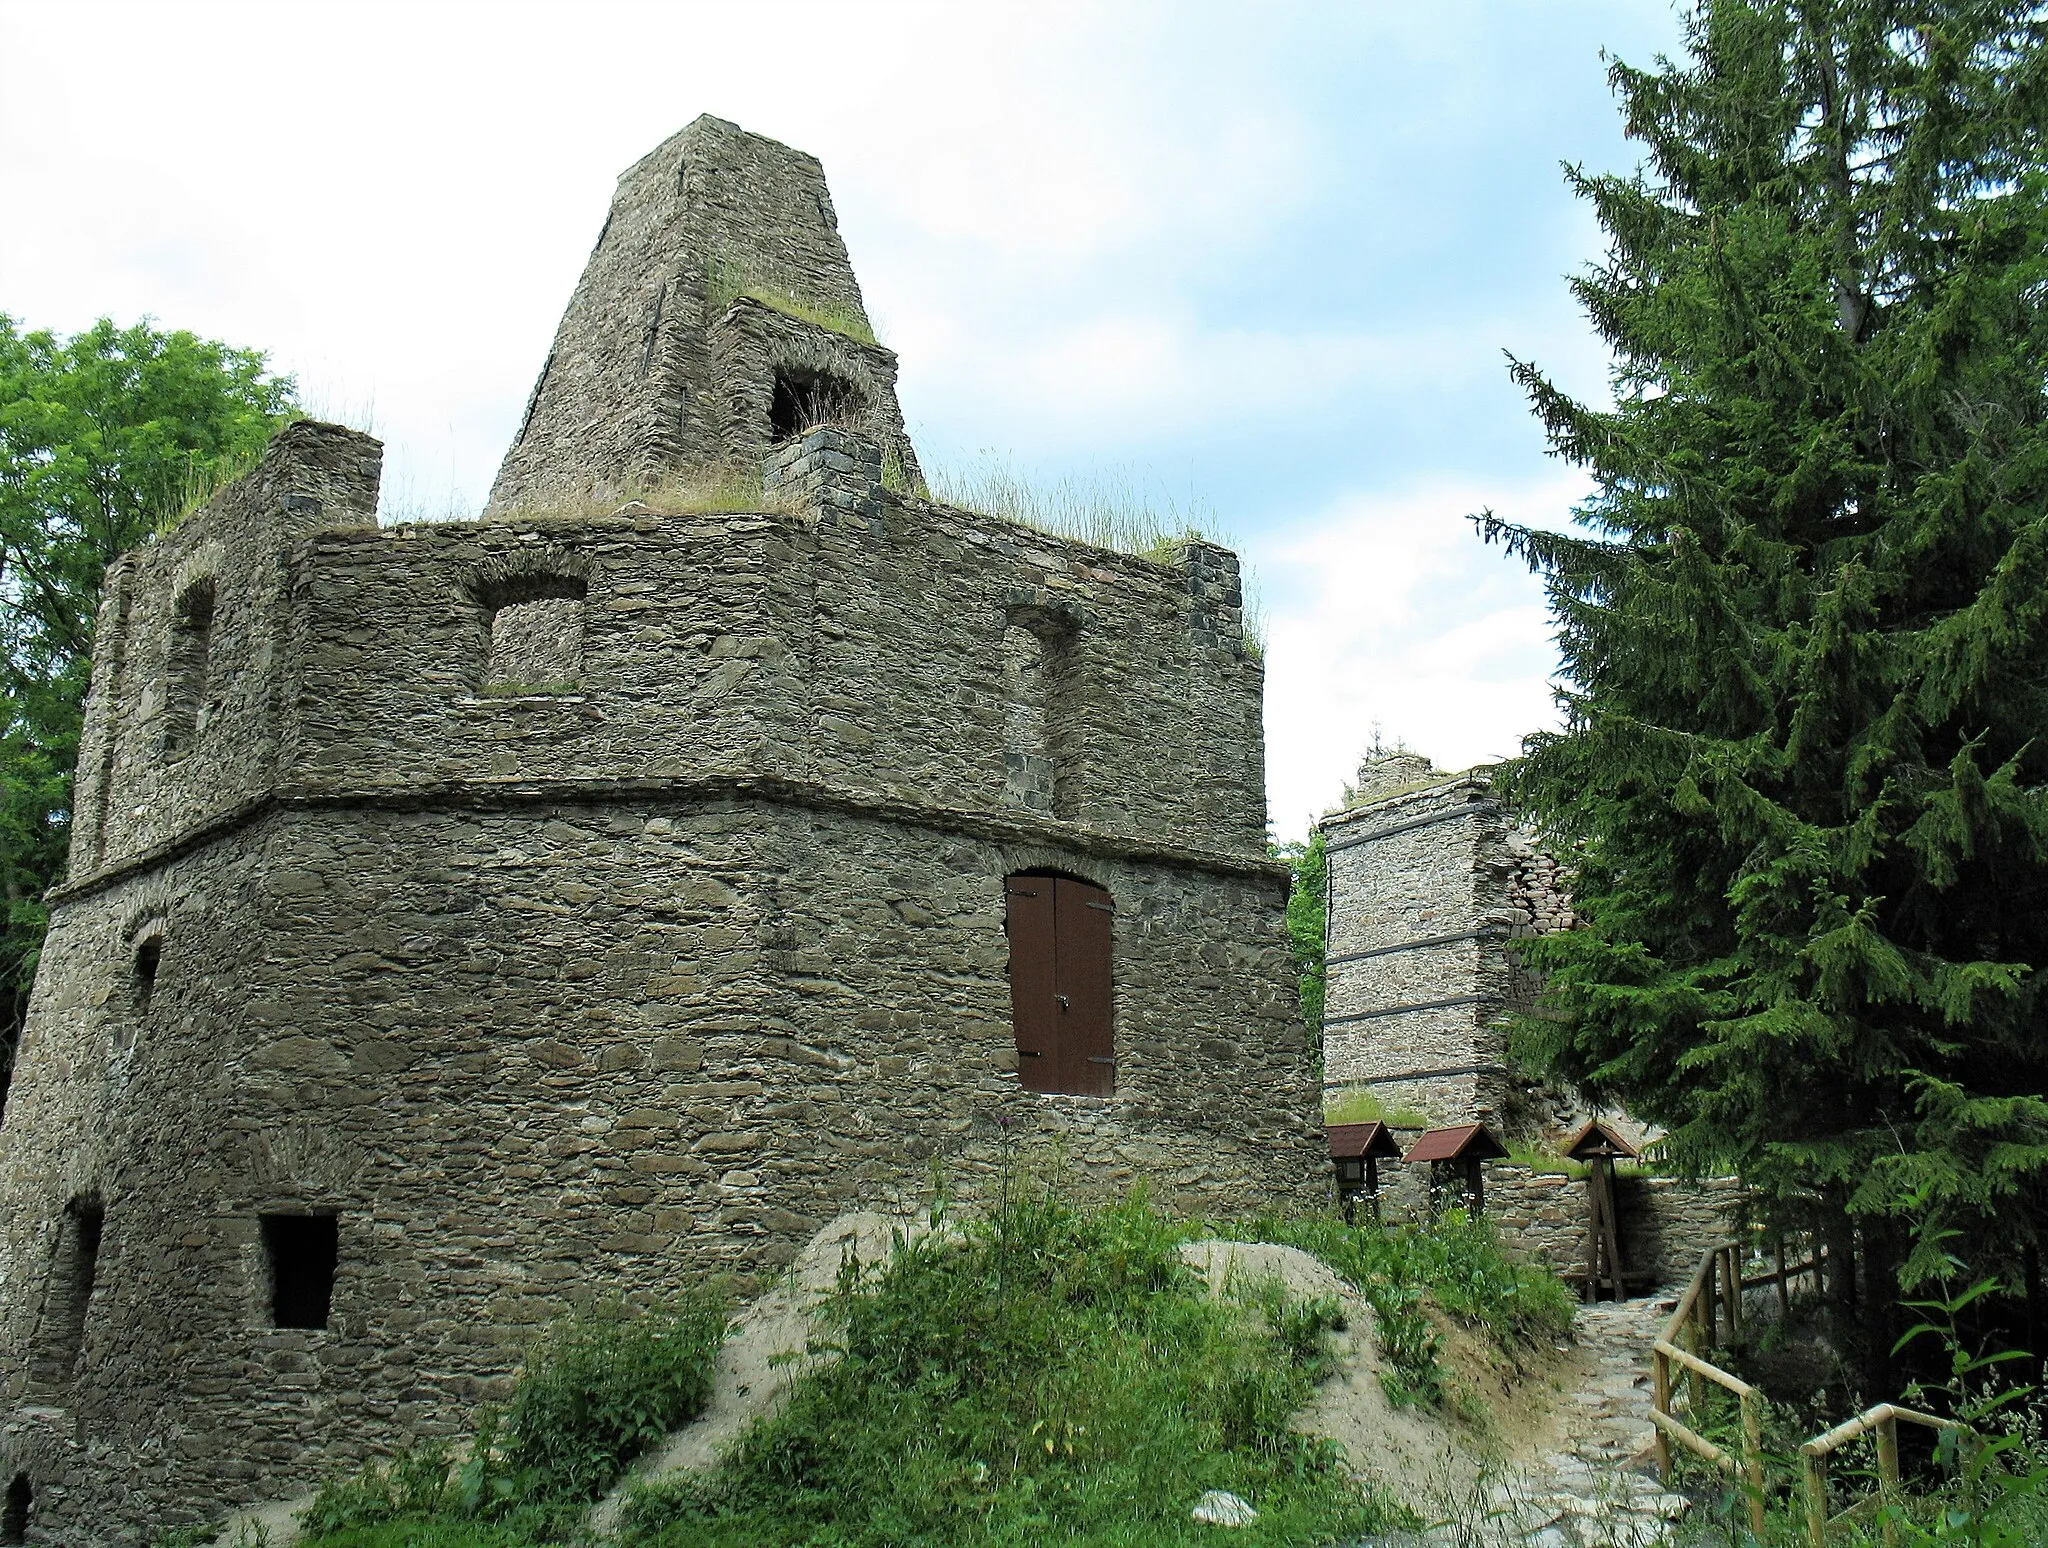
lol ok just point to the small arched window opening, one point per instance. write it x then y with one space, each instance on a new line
804 398
185 688
1062 982
1038 713
14 1514
68 1296
535 635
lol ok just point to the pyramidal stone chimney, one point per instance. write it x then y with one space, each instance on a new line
717 317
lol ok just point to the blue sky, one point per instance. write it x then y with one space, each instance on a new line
1259 259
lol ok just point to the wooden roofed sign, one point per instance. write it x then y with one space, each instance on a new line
1600 1147
1461 1142
1454 1155
1596 1139
1356 1150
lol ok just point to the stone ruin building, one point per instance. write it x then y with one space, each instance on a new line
1431 882
467 918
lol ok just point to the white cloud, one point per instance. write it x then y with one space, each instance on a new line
1388 611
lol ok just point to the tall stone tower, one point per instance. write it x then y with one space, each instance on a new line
1429 885
467 918
717 316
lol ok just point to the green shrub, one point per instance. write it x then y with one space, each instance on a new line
1050 1374
596 1391
600 1388
1457 1261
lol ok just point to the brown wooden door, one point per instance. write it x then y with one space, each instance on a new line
1062 997
1034 996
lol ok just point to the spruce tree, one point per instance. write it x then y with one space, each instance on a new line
1803 773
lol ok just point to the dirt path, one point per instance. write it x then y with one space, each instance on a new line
1589 1483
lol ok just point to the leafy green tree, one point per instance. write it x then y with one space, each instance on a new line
1308 902
1804 623
102 436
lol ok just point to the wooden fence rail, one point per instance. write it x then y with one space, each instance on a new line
1814 1454
1714 1299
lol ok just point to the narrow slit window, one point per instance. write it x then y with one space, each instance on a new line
1062 998
536 639
300 1252
72 1276
149 956
190 666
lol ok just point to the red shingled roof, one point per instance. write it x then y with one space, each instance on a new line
1360 1139
1463 1142
1596 1139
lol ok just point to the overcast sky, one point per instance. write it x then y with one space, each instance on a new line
1259 259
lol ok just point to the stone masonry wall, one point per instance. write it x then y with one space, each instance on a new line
1417 976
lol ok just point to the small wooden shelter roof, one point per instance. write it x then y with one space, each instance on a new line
1461 1142
1351 1140
1597 1139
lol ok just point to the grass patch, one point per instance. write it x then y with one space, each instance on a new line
1052 1373
710 490
1112 512
1364 1107
1454 1261
596 1391
729 282
1109 512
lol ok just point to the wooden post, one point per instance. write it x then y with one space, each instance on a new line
1888 1475
1753 1459
1660 1398
1784 1295
1816 1470
1735 1288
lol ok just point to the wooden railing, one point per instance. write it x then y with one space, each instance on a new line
1714 1298
1813 1457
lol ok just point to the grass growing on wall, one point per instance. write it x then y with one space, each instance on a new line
729 282
1362 1106
1110 512
1052 1373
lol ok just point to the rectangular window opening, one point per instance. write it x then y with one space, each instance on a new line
300 1252
190 666
536 639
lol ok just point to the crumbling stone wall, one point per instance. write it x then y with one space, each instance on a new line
1419 867
1667 1223
651 373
